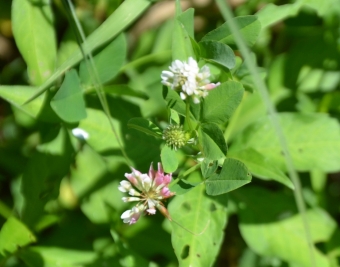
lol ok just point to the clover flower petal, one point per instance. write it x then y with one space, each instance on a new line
149 191
187 78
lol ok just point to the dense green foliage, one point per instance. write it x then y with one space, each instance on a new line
82 102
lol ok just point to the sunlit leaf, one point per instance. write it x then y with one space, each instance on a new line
169 159
33 29
313 141
13 235
270 226
206 219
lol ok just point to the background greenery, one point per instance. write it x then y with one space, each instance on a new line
59 202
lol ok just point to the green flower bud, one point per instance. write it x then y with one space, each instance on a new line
175 137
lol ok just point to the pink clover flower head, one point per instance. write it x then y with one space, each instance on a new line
187 78
149 190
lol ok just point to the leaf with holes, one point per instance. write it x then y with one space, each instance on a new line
203 216
233 175
212 141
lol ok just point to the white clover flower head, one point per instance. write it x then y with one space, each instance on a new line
188 79
149 191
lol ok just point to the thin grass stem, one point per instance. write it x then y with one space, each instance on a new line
227 14
94 76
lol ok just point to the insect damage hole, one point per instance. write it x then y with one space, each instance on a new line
185 252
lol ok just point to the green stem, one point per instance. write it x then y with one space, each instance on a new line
4 210
225 10
95 77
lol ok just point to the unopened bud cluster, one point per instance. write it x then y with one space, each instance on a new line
175 137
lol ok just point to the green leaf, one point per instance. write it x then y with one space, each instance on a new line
169 159
109 29
68 102
174 101
212 141
208 167
35 37
182 187
101 137
108 62
271 14
270 226
233 175
54 256
42 176
13 235
313 141
218 53
145 126
249 27
260 167
124 90
203 216
181 44
16 95
187 20
221 102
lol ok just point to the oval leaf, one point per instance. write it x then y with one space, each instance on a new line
35 37
169 159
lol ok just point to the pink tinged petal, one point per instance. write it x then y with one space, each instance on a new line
131 177
151 211
160 168
165 192
167 179
211 86
151 172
